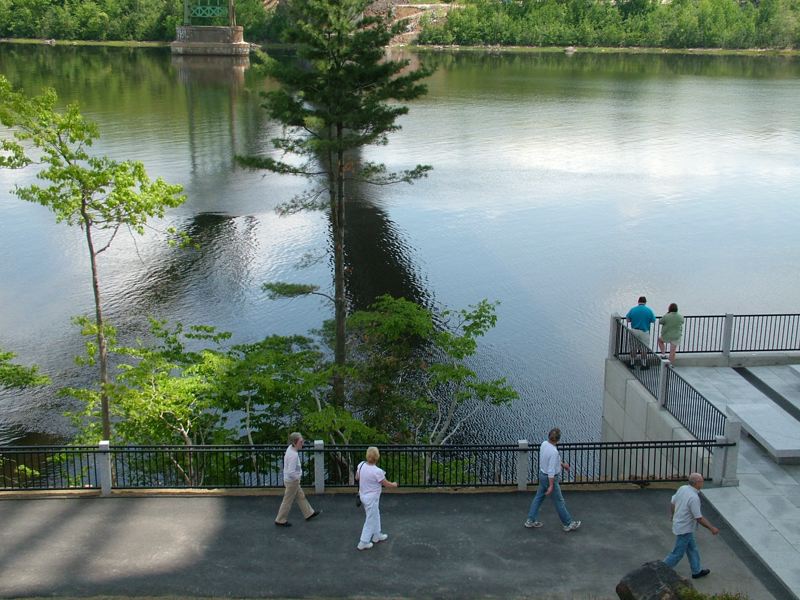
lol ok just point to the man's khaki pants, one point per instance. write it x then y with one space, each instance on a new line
293 490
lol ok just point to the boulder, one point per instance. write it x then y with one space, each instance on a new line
652 581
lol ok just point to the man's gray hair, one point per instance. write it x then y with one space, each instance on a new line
293 437
695 478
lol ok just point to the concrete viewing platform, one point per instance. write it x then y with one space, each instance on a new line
467 545
765 507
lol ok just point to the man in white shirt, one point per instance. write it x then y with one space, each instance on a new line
291 481
550 466
685 511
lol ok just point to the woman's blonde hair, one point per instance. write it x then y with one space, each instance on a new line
373 455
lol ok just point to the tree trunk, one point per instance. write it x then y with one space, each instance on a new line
102 346
340 353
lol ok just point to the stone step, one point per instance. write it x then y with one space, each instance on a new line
762 536
773 428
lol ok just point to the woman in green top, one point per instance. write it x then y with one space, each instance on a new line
671 331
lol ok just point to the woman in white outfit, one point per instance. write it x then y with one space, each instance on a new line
371 481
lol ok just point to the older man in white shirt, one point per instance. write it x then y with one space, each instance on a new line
686 515
291 481
550 466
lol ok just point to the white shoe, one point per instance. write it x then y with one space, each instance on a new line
530 524
572 526
363 546
381 537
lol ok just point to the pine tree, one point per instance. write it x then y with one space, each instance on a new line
339 94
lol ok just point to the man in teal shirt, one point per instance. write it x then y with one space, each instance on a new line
640 318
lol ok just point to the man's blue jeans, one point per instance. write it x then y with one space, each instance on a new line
561 507
685 544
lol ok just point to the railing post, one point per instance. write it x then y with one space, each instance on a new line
523 467
104 468
727 335
612 335
663 382
319 467
725 459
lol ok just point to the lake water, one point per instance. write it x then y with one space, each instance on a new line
563 186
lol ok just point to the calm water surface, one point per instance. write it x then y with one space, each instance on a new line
562 186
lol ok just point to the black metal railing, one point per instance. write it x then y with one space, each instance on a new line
197 466
692 410
630 350
176 467
48 467
747 333
705 333
765 333
428 466
702 333
634 462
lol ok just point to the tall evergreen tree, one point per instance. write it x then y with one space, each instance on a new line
339 94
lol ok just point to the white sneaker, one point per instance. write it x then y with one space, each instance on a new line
381 537
535 524
572 526
363 546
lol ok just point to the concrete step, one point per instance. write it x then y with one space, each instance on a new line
773 428
764 537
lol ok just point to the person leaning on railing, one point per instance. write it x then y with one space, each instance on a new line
640 318
671 332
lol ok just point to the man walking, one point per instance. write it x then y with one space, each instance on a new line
685 506
550 466
291 481
640 318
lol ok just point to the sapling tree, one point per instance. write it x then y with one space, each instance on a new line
340 93
100 195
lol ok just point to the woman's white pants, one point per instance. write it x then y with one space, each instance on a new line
372 522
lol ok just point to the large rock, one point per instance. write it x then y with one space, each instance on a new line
652 581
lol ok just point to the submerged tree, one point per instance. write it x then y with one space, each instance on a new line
339 95
98 194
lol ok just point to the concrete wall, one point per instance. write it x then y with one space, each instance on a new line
631 413
209 34
207 40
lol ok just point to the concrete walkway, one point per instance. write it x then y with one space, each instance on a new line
765 508
440 546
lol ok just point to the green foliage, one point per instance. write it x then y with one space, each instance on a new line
163 394
14 474
413 374
91 19
677 24
83 189
277 384
14 376
336 96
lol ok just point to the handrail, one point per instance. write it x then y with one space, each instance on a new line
425 466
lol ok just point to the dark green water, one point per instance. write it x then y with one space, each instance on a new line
563 186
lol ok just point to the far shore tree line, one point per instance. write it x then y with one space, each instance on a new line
397 372
731 24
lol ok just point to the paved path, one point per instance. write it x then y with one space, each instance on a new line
440 546
765 508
